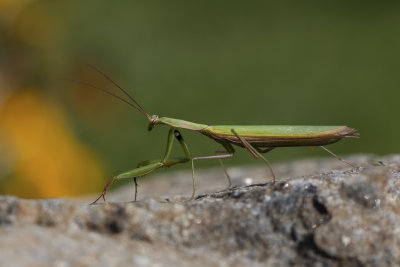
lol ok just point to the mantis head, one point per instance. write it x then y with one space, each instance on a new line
153 121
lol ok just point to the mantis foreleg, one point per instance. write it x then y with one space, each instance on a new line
148 166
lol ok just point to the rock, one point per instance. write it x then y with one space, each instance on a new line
334 216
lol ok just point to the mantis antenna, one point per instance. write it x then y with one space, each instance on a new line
135 104
139 107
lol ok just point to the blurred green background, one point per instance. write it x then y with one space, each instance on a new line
213 62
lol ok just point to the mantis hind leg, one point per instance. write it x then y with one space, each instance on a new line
339 158
255 152
265 150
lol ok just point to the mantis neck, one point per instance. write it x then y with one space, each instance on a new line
182 124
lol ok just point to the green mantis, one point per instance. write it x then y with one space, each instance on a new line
256 139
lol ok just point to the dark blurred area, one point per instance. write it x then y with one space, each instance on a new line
212 62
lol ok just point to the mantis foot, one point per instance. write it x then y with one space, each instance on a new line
103 194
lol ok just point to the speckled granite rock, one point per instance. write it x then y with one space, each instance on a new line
340 217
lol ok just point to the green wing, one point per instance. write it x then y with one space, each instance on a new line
280 135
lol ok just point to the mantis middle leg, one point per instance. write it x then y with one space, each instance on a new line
226 154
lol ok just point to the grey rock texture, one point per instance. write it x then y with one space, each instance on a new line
319 213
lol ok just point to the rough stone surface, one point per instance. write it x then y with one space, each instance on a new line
319 213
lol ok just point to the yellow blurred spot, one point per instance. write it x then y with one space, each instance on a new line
50 161
10 8
13 3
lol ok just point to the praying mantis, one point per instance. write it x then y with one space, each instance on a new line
256 139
